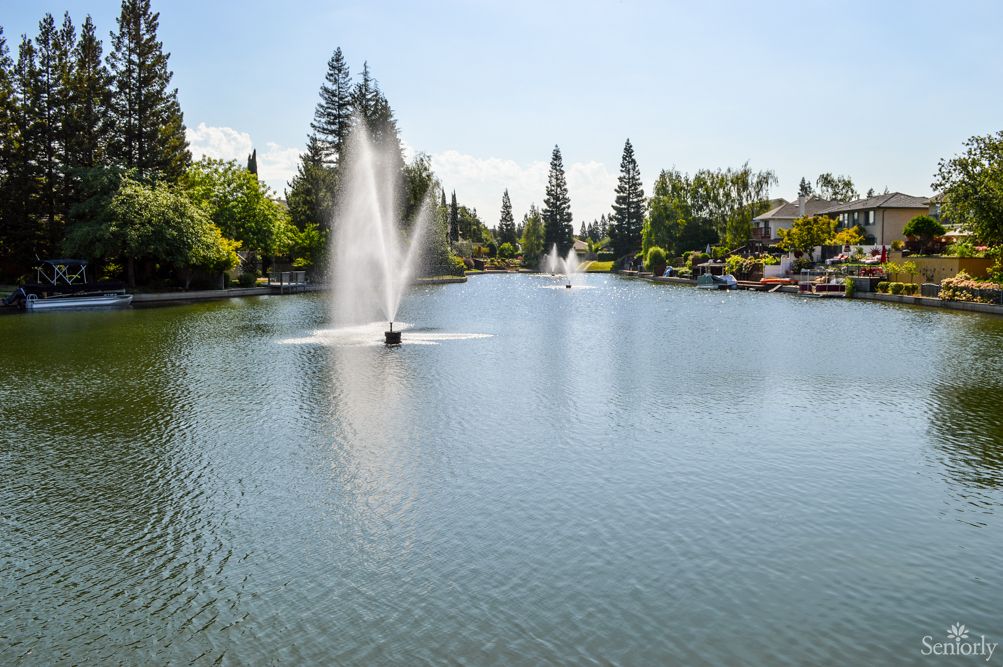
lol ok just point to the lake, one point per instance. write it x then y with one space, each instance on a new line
620 473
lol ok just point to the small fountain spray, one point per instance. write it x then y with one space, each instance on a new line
568 266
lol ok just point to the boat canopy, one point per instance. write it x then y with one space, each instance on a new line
62 271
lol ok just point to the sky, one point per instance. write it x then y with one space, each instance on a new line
879 91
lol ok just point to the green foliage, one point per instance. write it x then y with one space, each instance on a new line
851 236
457 265
883 286
506 222
532 237
654 260
836 188
850 285
158 223
806 233
925 228
628 208
556 214
307 246
734 264
961 249
506 250
236 202
310 196
972 184
247 279
605 256
695 258
963 288
332 119
898 245
896 288
909 268
148 131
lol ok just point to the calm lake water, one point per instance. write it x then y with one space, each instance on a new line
628 473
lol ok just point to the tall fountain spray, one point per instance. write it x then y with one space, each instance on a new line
568 266
372 256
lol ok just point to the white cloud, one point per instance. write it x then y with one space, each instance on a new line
479 183
276 164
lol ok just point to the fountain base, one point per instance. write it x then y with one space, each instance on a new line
568 286
392 337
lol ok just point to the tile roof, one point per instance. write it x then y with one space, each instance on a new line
890 200
791 210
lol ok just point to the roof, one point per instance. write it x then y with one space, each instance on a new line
791 210
581 245
890 200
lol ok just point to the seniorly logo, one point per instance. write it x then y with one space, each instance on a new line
958 643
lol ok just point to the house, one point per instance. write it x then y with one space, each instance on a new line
882 217
766 227
582 250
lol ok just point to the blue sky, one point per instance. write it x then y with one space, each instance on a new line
876 90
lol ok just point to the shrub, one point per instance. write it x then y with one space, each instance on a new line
851 286
458 266
655 261
898 244
247 279
962 288
696 257
605 256
883 286
911 288
896 288
506 250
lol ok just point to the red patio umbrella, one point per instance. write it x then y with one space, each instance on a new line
884 254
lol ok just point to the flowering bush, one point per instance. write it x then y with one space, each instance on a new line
963 288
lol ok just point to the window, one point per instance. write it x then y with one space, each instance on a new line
870 217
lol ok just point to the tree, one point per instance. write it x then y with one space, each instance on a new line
972 186
836 188
155 223
852 236
332 119
23 193
664 223
533 236
252 162
628 208
557 218
805 189
806 233
148 127
48 94
310 196
236 202
506 222
89 90
454 219
925 228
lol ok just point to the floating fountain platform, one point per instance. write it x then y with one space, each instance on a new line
392 337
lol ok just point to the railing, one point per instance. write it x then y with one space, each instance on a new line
288 281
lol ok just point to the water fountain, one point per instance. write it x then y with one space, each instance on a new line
554 264
372 261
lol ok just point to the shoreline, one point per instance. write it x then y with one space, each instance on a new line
901 299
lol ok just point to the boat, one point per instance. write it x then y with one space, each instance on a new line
710 281
831 285
61 284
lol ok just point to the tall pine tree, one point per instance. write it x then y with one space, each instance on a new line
454 219
332 119
311 191
557 218
628 208
89 90
506 223
149 129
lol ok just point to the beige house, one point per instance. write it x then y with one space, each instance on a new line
882 217
765 227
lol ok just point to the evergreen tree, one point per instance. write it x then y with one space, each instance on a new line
506 223
148 127
252 162
454 219
628 209
89 92
332 119
8 137
532 237
557 218
583 232
805 189
311 191
49 96
25 174
443 202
